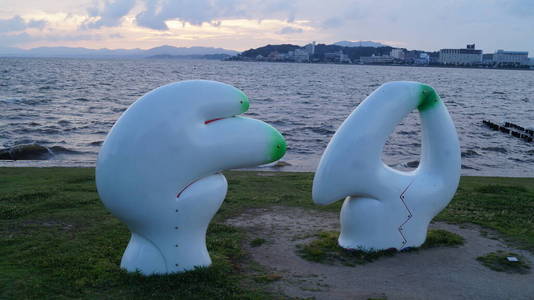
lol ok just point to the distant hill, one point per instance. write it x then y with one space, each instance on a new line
320 51
266 50
206 56
114 53
354 53
360 44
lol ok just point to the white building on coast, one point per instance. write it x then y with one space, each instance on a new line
397 53
466 56
502 57
382 59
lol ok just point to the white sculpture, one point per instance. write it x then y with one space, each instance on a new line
158 169
386 208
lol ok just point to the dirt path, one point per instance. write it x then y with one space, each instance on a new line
441 273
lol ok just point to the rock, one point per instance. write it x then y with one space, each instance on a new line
280 164
62 150
4 154
25 152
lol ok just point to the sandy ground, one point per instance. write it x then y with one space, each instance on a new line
440 273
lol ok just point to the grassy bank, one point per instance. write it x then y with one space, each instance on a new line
57 240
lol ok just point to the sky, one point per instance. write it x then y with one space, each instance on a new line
243 24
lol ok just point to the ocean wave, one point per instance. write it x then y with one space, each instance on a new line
496 149
34 151
470 153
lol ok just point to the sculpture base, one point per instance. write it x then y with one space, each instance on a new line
145 257
368 224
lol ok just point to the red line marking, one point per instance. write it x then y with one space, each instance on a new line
180 193
212 120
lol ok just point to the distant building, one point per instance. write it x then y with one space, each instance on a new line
310 48
487 59
275 56
466 56
411 56
502 57
434 57
423 59
397 53
383 59
338 57
301 55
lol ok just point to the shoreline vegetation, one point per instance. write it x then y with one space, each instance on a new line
58 240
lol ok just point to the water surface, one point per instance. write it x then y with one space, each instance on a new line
73 103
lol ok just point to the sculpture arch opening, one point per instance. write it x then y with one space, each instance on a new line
405 144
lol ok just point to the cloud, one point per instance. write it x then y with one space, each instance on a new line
13 39
149 17
290 30
116 36
37 24
7 39
198 12
332 23
109 14
522 8
17 23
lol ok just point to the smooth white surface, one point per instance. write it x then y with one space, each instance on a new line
386 208
157 170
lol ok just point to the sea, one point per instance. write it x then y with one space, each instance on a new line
69 105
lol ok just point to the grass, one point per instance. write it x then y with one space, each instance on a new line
498 261
58 241
266 278
325 248
503 204
442 238
257 242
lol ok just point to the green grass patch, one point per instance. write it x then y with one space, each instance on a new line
58 241
503 204
498 261
442 238
325 249
500 189
257 242
267 278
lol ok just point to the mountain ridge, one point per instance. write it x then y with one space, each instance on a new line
360 44
105 52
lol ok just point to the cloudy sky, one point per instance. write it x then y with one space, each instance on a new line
244 24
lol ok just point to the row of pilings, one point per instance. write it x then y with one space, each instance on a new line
512 129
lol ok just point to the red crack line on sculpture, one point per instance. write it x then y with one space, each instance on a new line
410 215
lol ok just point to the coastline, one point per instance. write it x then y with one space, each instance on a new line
385 65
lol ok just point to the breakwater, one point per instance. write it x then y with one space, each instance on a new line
512 129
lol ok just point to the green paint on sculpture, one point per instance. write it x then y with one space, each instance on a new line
278 145
428 98
243 99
